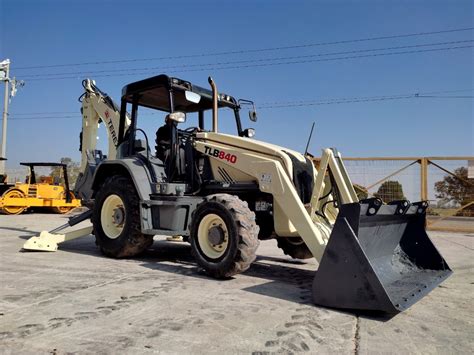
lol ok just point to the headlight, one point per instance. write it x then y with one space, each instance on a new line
249 132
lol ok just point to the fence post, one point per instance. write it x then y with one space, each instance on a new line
424 179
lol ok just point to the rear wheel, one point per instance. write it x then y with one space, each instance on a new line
64 209
12 209
224 235
116 219
294 247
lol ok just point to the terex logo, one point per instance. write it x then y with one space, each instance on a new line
110 124
213 152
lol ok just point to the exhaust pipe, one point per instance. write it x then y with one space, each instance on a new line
214 104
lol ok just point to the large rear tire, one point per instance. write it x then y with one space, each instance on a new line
224 235
116 219
294 247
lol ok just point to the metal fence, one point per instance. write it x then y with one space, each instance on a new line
20 174
411 178
443 181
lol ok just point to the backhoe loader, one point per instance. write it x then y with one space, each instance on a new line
225 192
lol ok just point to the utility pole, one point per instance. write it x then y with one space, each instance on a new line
9 93
4 75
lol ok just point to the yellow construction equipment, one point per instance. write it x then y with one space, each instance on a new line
39 192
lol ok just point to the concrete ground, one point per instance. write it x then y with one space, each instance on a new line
453 224
76 301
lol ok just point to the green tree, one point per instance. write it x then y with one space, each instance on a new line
361 191
457 189
73 170
390 191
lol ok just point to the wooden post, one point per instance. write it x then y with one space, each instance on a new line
424 179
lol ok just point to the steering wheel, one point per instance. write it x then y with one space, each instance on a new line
186 133
191 129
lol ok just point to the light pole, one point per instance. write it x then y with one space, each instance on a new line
4 76
9 93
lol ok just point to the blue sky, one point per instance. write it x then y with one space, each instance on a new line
41 33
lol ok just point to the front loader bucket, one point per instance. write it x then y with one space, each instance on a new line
378 258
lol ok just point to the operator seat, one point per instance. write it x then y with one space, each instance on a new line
175 170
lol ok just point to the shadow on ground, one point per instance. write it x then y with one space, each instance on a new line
286 280
22 230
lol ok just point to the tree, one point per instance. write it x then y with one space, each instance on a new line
390 191
361 192
458 189
72 169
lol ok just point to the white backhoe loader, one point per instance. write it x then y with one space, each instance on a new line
223 193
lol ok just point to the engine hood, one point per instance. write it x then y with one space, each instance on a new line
287 156
298 168
249 143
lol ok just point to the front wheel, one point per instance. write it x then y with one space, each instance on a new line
224 235
116 219
294 247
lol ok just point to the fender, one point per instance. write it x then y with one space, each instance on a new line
132 167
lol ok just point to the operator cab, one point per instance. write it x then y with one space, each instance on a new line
176 98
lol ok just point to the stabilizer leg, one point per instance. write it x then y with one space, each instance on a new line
48 241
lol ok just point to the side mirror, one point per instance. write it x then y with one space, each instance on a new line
252 112
249 133
177 116
253 115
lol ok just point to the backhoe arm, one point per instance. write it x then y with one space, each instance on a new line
98 107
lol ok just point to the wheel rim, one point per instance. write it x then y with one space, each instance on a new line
65 209
13 209
213 236
112 216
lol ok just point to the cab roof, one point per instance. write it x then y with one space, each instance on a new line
154 93
42 164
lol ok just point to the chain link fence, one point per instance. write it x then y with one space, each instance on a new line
446 183
20 174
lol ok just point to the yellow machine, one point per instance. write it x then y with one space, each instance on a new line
39 192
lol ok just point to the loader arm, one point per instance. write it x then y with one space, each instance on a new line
273 177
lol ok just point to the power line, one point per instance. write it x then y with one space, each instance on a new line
267 64
43 113
280 104
43 117
249 61
417 94
446 97
338 102
257 50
